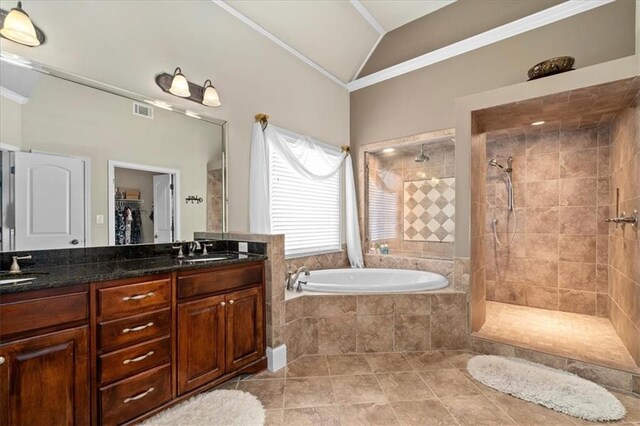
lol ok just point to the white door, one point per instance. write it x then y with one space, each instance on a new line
49 201
162 209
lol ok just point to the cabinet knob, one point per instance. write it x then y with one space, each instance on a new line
222 303
231 302
2 360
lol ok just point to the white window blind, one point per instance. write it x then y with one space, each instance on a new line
307 212
383 213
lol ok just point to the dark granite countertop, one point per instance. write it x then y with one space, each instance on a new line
82 273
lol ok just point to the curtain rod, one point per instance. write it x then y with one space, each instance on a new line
264 120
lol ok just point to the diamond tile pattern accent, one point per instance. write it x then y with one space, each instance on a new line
429 210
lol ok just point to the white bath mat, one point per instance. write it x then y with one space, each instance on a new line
556 389
218 407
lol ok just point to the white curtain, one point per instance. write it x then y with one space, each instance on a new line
313 160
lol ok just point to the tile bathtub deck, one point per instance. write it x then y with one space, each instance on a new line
415 388
582 337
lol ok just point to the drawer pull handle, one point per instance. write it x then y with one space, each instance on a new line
138 359
137 297
231 302
138 328
139 396
222 303
2 360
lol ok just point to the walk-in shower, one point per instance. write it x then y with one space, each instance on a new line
508 171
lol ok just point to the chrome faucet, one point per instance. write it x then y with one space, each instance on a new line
292 279
193 246
180 252
15 267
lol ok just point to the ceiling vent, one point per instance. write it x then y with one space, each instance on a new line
143 110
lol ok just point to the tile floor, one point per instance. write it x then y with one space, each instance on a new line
582 337
414 388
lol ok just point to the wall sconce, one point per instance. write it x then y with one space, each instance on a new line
178 85
16 26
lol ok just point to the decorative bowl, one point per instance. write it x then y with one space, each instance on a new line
551 66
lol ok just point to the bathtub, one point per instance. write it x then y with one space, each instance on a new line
372 281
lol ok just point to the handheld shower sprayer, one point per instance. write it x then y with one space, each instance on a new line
510 204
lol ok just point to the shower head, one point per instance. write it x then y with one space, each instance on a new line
421 158
493 162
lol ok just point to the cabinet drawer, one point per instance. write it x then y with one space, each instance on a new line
134 329
44 312
132 397
134 359
116 302
193 284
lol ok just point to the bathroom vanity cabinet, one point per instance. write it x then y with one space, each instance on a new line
116 352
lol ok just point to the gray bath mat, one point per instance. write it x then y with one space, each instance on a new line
556 389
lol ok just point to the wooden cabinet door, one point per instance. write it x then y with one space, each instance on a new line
45 379
200 342
245 325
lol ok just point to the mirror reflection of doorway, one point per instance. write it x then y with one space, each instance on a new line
143 207
44 201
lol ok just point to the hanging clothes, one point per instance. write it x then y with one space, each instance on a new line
120 225
136 227
128 218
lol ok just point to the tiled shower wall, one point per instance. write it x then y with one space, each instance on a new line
478 219
559 255
388 172
214 200
624 241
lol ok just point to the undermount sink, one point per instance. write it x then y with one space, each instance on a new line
205 259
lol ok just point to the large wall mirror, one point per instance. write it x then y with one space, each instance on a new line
85 164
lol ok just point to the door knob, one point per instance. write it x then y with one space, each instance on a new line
222 303
2 360
75 242
231 302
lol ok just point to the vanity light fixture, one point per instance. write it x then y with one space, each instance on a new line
210 95
538 123
179 84
17 26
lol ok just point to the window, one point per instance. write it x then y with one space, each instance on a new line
307 212
383 213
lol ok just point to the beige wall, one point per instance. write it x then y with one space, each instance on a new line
67 118
457 21
250 72
10 122
423 100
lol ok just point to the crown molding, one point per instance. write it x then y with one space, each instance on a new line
15 97
545 17
227 8
362 10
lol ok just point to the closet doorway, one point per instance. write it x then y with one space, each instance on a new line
143 206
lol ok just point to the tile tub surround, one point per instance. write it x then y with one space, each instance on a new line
429 249
624 241
561 180
342 324
417 388
388 204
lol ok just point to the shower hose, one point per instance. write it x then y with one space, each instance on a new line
515 219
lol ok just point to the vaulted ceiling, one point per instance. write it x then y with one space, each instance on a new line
336 35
